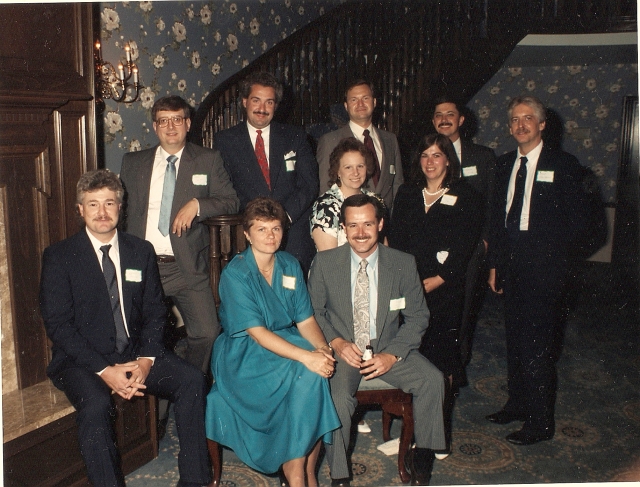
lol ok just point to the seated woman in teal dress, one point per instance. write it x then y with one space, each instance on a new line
270 402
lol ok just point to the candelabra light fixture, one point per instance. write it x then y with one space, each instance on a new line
121 85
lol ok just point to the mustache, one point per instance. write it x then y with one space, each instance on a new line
258 112
445 124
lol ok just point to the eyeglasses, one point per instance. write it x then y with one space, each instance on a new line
176 120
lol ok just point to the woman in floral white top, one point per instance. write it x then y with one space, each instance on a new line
350 166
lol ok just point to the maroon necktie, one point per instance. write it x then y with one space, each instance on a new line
368 143
262 157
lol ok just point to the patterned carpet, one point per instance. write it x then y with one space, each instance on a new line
597 414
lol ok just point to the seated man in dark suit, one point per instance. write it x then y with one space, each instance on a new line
345 285
102 305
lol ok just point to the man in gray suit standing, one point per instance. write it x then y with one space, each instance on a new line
359 100
361 294
170 189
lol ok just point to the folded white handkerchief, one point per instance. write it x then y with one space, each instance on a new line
390 447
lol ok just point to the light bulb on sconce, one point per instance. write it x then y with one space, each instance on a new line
121 85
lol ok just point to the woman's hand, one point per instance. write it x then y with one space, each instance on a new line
431 283
320 362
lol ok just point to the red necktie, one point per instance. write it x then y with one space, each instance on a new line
262 157
368 143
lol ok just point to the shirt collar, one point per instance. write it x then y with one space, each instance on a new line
165 154
372 260
97 243
358 130
533 154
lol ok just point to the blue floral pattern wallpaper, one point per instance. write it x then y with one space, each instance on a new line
583 96
187 48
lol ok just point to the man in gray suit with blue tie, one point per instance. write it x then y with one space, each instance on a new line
366 293
170 189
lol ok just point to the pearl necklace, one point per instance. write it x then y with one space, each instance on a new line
425 193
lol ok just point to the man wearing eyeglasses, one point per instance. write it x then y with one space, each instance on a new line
170 189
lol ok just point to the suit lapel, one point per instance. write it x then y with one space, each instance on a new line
183 182
276 153
384 170
345 303
126 262
385 280
144 181
247 159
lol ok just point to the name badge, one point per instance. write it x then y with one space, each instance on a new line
133 275
289 282
392 169
442 256
470 171
396 304
199 179
449 200
544 176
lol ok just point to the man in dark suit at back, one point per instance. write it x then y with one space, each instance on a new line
538 210
360 101
477 164
267 158
102 305
170 189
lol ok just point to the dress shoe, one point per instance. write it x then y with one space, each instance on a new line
340 483
505 417
442 454
524 438
420 464
282 479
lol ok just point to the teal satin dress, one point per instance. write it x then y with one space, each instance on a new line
266 408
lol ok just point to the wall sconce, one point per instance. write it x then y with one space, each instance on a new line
112 84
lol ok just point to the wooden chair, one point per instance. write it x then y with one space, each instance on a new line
393 402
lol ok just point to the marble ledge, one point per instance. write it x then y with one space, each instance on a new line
28 409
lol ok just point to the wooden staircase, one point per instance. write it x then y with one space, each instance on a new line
413 51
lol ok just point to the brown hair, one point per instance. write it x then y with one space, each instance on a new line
446 146
171 103
264 79
96 180
349 144
264 209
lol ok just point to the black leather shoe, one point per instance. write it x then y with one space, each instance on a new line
340 483
282 479
524 438
421 461
504 417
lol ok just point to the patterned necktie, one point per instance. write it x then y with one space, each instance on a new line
261 155
513 218
169 187
368 143
111 279
361 307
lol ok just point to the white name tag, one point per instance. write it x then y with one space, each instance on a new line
133 275
449 200
289 282
470 171
392 169
442 256
199 179
396 304
545 176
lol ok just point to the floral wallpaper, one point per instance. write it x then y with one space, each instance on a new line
586 98
186 48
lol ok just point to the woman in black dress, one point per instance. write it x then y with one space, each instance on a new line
437 217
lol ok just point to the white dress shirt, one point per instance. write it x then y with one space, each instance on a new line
265 137
358 132
532 163
161 244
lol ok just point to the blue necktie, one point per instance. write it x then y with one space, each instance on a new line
111 279
164 222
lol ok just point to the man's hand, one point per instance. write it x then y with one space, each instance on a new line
185 217
379 365
347 351
492 281
116 377
140 374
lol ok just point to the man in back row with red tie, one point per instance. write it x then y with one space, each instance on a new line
360 102
267 158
